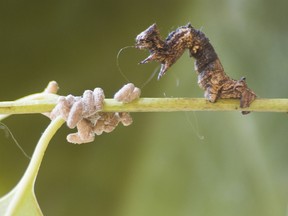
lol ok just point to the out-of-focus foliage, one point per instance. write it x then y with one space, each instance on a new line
202 163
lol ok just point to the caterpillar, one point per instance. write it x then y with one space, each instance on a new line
211 75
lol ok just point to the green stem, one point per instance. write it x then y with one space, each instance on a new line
38 102
193 104
26 184
150 105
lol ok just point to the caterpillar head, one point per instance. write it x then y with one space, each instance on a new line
148 38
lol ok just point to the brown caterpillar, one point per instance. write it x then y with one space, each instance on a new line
211 75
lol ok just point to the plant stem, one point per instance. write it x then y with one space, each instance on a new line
26 184
151 105
194 104
30 102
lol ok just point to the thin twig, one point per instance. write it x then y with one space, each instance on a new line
151 105
194 104
29 102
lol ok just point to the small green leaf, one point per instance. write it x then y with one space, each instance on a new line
21 201
29 205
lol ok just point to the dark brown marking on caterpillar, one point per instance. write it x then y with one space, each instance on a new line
211 76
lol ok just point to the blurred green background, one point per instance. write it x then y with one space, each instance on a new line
194 163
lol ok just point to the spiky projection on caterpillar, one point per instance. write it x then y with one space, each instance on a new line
211 76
